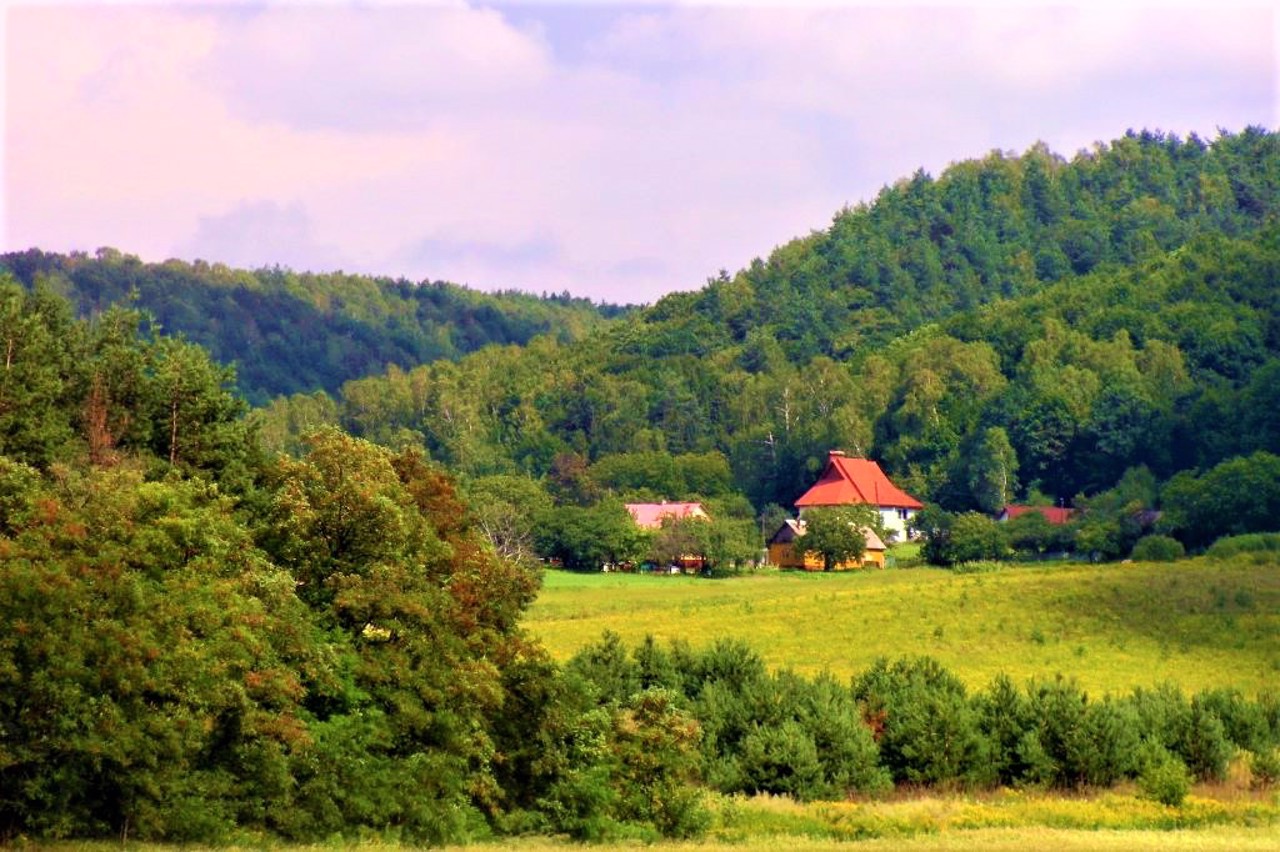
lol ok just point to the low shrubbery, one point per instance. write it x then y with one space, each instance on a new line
1158 548
1234 545
911 722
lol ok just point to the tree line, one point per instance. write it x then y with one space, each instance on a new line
204 636
288 332
1154 354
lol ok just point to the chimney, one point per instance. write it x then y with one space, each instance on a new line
835 453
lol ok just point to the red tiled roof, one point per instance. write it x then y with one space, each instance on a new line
1053 514
649 516
847 481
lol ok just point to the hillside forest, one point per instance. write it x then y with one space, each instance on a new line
1101 332
302 619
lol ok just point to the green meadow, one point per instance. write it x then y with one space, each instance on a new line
1198 623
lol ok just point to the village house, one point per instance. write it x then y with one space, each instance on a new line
1055 515
849 481
651 516
786 553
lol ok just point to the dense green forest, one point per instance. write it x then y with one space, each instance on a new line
204 635
288 332
1020 327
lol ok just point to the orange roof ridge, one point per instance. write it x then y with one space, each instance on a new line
848 480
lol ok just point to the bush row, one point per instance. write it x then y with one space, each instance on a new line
913 722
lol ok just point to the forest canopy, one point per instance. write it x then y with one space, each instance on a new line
303 620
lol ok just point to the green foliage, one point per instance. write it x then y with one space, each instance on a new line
1088 743
836 534
655 755
993 469
925 725
1158 548
1233 545
293 333
1238 496
585 539
1031 534
1164 778
956 539
1009 725
1264 768
151 675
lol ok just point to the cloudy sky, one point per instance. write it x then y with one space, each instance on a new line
617 151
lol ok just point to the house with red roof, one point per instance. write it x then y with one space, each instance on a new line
1055 515
847 481
649 516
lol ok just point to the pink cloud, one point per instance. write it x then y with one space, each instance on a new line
470 144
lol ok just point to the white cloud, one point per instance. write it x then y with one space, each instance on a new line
636 153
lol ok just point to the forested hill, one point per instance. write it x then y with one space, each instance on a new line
290 332
1018 324
984 230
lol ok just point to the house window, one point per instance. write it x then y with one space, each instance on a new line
902 513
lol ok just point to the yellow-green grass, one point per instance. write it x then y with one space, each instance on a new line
1198 623
1215 817
1218 818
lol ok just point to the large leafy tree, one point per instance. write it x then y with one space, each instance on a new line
836 533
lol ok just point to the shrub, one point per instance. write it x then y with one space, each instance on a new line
782 760
1158 548
657 766
1248 543
1163 714
976 537
1204 745
926 728
1164 778
1243 721
1013 742
1265 768
847 752
1094 744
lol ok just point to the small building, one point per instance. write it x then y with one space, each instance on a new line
649 516
1055 515
848 481
785 553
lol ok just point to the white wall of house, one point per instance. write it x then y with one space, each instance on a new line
895 522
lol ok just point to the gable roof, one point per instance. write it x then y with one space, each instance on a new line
1053 514
794 529
648 516
846 481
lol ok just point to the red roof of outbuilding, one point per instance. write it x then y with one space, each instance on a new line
1053 514
649 516
847 481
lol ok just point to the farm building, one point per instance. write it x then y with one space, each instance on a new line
785 553
649 516
1055 515
848 481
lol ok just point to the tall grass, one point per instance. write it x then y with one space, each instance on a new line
1199 623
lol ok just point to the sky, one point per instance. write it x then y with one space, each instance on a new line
617 151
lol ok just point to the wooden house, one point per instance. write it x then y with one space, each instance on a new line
849 481
786 553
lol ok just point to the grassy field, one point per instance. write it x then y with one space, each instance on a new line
1198 623
1216 817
